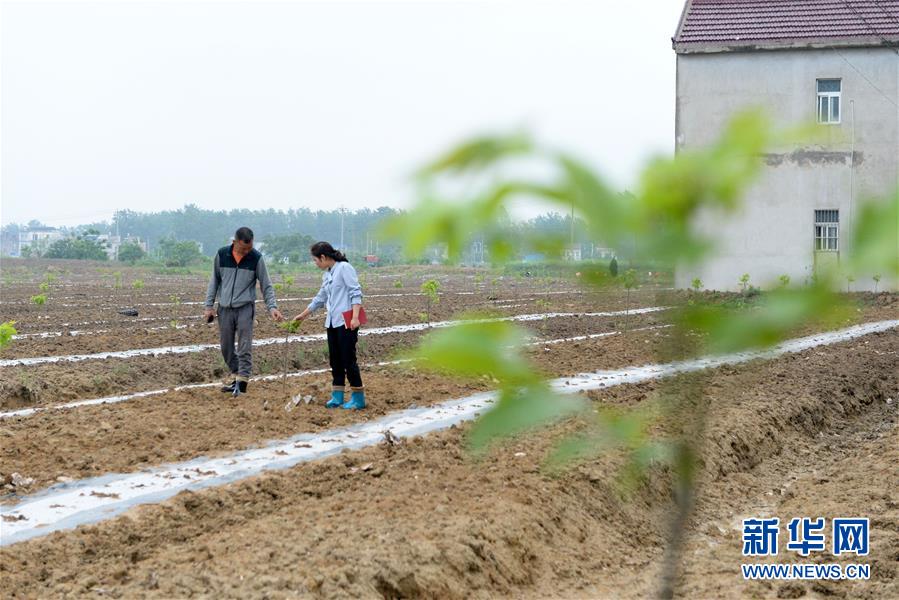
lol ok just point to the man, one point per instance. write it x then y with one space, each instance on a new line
236 270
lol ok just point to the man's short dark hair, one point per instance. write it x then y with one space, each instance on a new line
244 234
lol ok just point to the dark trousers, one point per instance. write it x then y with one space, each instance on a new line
342 356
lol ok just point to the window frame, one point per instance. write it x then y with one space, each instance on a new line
827 230
828 96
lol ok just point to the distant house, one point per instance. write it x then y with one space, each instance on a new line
572 252
37 240
601 252
114 242
830 62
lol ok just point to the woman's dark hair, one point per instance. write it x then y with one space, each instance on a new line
325 249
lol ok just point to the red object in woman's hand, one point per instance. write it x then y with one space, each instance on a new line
348 317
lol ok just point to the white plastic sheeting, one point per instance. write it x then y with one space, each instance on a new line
27 412
39 360
295 299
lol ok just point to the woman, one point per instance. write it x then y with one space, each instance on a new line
339 293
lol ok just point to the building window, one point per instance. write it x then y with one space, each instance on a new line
827 230
829 101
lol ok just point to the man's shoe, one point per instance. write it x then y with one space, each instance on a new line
356 402
239 388
336 399
229 387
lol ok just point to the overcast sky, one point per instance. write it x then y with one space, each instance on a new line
151 106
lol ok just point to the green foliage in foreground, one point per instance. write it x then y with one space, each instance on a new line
656 222
671 193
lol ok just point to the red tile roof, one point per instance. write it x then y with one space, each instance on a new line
721 25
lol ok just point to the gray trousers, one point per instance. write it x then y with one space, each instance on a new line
237 323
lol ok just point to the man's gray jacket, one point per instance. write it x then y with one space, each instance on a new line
235 283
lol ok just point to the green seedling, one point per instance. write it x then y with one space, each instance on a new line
176 303
629 281
430 289
286 282
7 330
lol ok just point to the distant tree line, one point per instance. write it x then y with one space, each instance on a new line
181 237
214 228
79 248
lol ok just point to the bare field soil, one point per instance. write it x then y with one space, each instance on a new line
808 434
811 433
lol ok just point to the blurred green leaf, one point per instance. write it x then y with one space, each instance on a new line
520 409
615 430
478 154
431 222
877 238
477 348
629 280
611 428
638 462
775 317
656 223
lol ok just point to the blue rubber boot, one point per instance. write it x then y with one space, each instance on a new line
357 400
336 400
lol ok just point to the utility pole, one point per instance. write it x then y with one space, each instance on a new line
342 210
851 170
572 224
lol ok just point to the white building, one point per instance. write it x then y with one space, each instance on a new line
37 239
572 253
112 243
834 62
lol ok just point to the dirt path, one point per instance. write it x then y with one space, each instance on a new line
426 519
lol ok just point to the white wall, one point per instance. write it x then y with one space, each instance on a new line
773 234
